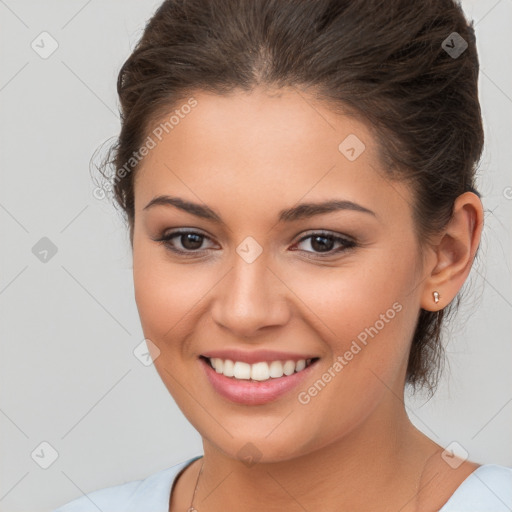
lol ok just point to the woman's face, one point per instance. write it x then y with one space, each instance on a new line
249 279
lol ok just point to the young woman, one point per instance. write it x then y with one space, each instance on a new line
298 179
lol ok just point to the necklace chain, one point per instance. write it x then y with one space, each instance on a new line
191 508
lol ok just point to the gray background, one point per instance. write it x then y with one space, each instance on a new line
70 324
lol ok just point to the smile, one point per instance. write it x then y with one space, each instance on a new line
274 379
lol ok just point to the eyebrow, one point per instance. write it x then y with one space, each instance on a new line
301 211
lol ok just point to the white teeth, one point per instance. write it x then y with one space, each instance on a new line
241 370
276 369
219 365
258 371
228 368
301 364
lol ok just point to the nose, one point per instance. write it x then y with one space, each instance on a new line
249 298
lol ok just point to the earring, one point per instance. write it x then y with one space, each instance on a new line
436 297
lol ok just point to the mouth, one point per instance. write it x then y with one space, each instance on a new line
257 383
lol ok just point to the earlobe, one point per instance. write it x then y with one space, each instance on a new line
454 253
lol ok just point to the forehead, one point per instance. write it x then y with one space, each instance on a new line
275 146
280 124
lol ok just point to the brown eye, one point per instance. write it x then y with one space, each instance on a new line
184 242
323 243
191 241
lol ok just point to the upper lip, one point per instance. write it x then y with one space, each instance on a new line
255 356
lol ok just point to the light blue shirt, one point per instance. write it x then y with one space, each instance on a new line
487 489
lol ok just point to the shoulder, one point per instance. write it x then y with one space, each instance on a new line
487 489
152 492
102 499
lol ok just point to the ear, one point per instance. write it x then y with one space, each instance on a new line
453 255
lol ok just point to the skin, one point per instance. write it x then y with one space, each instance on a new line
247 156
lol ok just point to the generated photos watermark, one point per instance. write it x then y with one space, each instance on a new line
150 142
304 397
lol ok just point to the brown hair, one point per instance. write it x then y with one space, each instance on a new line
385 61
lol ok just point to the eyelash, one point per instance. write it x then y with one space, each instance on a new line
347 243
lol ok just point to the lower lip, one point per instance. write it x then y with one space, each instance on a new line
250 392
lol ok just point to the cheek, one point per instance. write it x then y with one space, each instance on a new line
366 320
365 312
160 290
168 295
